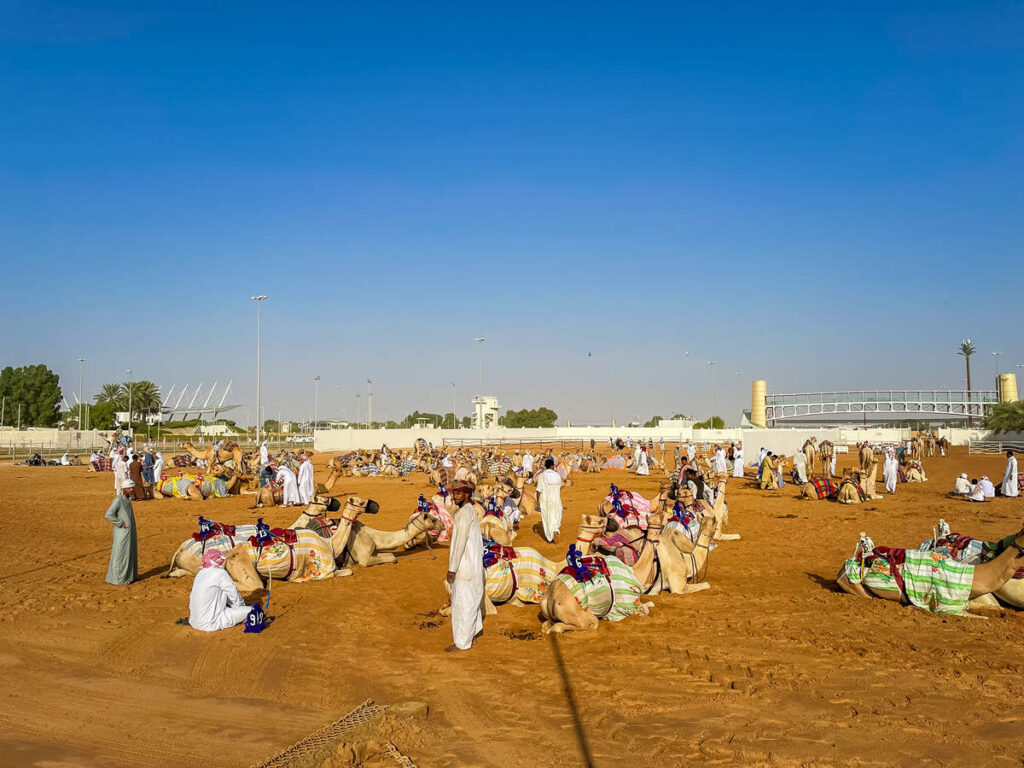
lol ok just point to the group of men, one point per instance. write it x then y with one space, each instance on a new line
142 469
984 489
295 490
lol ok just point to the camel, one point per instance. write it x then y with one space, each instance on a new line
683 526
826 451
597 587
868 478
819 488
871 574
915 472
189 554
850 490
227 452
810 450
182 487
865 455
366 546
972 551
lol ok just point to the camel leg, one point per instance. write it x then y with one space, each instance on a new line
342 572
384 558
489 609
857 590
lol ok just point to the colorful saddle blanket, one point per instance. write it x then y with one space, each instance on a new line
306 557
214 487
183 461
824 488
929 580
174 486
446 523
620 545
970 551
525 575
612 593
628 508
106 464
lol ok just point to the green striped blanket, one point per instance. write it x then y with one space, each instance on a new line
614 603
931 580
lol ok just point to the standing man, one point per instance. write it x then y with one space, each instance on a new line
306 480
691 452
147 466
642 467
465 570
890 470
528 464
158 467
737 460
549 499
289 488
124 554
120 467
1010 487
135 475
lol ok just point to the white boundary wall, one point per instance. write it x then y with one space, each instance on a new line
786 441
52 438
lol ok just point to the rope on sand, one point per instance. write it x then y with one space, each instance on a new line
316 741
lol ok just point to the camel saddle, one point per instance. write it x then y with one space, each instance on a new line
208 529
493 552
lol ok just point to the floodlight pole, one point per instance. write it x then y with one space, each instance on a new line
711 396
81 393
129 372
316 400
259 425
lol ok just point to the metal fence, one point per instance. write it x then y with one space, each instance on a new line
995 446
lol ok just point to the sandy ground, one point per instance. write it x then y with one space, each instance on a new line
771 666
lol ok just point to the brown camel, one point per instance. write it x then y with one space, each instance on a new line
810 451
987 577
826 451
227 452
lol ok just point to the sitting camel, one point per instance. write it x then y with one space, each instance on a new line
851 490
972 551
181 487
915 472
595 587
189 554
819 488
368 546
931 580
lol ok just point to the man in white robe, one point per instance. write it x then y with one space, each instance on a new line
719 462
214 602
528 464
549 499
832 462
158 467
977 493
264 455
1010 487
737 460
466 570
120 467
642 467
987 488
800 467
290 488
691 452
305 480
962 486
890 470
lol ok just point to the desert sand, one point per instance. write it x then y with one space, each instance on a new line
771 666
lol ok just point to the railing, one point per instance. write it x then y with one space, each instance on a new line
995 446
902 402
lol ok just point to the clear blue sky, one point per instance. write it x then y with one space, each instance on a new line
827 196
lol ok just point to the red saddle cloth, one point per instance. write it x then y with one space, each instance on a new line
493 552
216 529
278 535
594 564
894 557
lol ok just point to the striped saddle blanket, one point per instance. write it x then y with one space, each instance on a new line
225 540
970 551
446 523
620 545
824 488
629 509
929 580
183 461
525 575
105 464
613 596
308 558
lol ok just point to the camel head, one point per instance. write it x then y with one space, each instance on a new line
592 526
240 568
187 444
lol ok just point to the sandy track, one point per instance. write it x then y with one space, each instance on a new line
770 666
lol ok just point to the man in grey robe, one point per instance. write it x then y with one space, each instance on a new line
124 554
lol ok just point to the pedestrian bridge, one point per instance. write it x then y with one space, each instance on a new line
880 404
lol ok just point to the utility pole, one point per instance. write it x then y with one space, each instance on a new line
480 340
739 397
19 417
129 372
369 404
453 405
316 400
259 410
81 392
711 395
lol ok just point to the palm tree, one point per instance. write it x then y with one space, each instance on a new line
1006 417
966 350
112 393
145 397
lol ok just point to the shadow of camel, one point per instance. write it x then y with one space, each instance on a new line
823 582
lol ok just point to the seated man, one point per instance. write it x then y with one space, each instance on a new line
977 492
215 602
962 486
987 488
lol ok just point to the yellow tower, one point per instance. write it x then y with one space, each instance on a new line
758 393
1006 385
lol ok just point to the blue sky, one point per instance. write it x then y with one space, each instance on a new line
825 196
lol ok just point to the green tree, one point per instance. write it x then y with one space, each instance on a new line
270 425
1006 417
110 393
653 421
679 416
414 418
537 417
145 397
715 422
101 415
37 390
